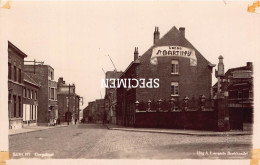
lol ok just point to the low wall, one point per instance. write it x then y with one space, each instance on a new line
236 118
198 120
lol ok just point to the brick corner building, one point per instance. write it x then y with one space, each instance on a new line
180 76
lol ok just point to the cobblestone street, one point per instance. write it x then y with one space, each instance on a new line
96 141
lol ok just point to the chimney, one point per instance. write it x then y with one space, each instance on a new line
182 30
136 53
249 65
156 35
60 80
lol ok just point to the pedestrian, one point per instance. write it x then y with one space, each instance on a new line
75 121
55 122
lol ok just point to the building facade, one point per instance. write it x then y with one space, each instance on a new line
181 69
15 86
89 112
95 111
43 75
239 86
68 102
30 100
110 98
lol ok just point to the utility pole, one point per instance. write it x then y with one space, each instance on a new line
35 62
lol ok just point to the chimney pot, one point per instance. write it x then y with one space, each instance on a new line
182 30
156 35
136 53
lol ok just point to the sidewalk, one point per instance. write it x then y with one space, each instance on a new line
32 129
178 131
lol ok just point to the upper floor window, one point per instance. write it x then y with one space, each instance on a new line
52 93
15 73
35 95
251 94
9 71
174 88
51 75
32 94
19 75
24 92
175 67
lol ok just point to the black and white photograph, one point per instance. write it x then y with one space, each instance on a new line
163 81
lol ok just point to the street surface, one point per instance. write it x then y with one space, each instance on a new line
95 141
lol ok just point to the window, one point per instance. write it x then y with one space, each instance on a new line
9 71
240 96
14 98
15 73
31 94
28 93
20 106
24 92
35 95
175 67
174 88
251 94
19 75
51 75
52 93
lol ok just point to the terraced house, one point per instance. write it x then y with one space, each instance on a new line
15 86
43 75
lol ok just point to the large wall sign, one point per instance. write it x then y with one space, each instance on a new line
166 51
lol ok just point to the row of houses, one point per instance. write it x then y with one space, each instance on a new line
34 97
185 78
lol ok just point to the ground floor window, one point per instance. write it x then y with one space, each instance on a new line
29 112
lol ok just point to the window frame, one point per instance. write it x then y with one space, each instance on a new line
9 71
175 65
175 87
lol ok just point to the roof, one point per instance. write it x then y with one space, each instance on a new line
113 74
173 37
30 80
16 49
231 70
39 65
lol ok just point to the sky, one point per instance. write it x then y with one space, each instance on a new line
75 38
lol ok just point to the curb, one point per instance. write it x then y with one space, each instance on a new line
180 133
37 130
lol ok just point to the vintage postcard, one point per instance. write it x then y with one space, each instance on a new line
135 82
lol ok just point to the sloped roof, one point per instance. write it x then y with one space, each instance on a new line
173 37
21 53
30 80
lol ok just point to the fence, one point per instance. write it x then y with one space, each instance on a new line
187 114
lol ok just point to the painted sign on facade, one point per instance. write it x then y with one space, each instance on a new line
178 51
242 74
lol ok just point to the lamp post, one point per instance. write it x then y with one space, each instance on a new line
202 102
148 105
185 100
159 104
172 104
136 106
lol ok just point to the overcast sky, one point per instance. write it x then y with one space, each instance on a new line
75 37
